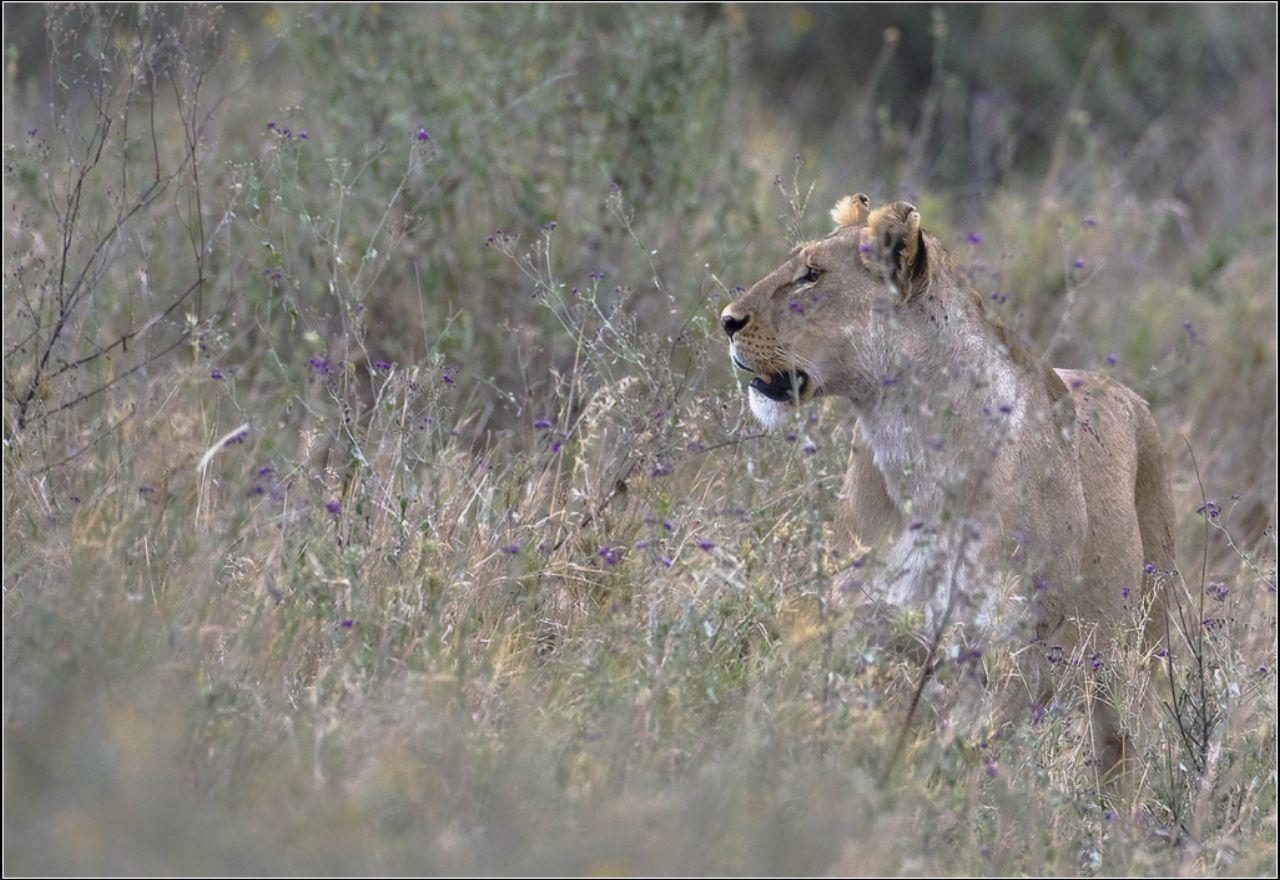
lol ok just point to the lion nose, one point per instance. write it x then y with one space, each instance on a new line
733 324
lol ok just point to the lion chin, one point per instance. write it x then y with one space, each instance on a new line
769 413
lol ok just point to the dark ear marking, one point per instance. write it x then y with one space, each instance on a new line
898 252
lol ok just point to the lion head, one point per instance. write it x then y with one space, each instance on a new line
836 318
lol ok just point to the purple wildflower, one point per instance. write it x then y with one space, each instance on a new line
271 126
866 247
382 364
347 623
1113 359
993 770
266 470
707 545
1124 593
1209 509
791 436
665 561
1089 222
1078 262
556 445
611 555
334 507
322 366
542 424
809 449
974 238
215 375
513 549
1006 408
796 308
146 489
1218 590
1149 568
422 135
302 134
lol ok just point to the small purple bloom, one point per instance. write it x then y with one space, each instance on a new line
381 364
556 445
1089 222
1209 509
974 238
422 135
1113 359
1218 590
542 424
704 544
146 489
513 549
334 507
266 470
1124 592
1078 262
1006 408
611 555
917 525
660 470
347 623
215 375
866 247
1149 568
809 449
796 308
993 770
791 436
271 126
665 561
322 366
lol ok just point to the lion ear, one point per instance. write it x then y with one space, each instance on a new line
851 211
893 245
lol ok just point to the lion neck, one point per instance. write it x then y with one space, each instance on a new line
939 425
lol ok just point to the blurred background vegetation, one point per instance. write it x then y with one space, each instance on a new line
393 252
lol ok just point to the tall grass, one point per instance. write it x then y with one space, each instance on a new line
378 497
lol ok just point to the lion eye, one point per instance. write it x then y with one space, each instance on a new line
810 275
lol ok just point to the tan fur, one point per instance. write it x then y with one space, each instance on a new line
971 455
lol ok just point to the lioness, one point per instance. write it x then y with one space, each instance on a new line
971 455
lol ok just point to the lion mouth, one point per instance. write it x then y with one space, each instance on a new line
782 387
